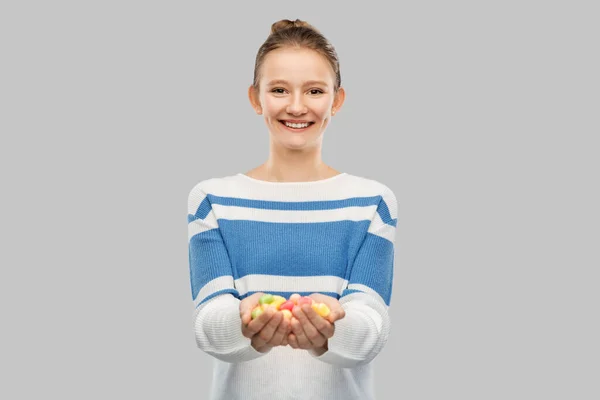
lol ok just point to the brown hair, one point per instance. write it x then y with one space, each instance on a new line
297 33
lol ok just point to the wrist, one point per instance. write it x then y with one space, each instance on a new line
318 351
262 349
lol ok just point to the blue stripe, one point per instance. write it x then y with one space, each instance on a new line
288 294
202 211
382 208
374 266
346 292
384 213
292 249
208 259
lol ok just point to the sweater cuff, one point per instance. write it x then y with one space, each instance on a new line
219 331
360 335
339 347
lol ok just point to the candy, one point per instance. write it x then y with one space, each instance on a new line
256 312
287 314
321 309
305 300
265 299
294 298
288 305
279 303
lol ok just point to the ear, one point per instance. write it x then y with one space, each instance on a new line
254 99
338 101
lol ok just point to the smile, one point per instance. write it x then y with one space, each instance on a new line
296 126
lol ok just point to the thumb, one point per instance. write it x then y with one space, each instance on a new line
337 314
245 317
248 303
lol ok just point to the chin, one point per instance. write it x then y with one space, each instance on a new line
294 146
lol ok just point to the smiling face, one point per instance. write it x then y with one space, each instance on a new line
296 96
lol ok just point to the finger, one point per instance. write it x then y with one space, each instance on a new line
298 330
314 337
324 327
336 310
262 337
267 332
288 333
256 325
280 333
337 314
292 341
247 305
246 317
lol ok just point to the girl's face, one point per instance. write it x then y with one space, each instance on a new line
296 96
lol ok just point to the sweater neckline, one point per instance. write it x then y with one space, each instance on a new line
335 177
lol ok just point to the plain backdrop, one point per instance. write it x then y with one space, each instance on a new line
482 117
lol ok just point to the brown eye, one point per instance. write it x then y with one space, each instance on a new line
318 91
276 90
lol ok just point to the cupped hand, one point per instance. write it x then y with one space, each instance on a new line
309 329
268 330
336 312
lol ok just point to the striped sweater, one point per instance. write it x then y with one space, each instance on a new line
333 236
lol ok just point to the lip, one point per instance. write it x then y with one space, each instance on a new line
295 121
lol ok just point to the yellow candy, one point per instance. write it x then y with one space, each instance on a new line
321 309
278 301
287 314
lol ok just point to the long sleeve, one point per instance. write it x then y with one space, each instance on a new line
217 322
364 331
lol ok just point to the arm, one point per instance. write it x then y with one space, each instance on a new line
217 321
363 332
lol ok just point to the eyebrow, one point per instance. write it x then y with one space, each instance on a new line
282 81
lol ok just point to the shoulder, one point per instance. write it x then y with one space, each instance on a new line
387 208
211 186
385 216
215 185
374 188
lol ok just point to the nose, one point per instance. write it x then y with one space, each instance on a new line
296 105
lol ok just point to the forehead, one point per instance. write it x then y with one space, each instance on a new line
296 65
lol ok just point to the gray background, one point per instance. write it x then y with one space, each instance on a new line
481 116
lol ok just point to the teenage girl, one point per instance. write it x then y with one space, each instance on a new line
292 225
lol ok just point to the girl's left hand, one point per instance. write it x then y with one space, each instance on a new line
309 329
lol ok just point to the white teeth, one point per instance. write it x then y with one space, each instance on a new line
292 125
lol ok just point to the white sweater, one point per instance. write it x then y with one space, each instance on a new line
333 236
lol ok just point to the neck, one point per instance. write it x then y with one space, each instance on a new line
287 165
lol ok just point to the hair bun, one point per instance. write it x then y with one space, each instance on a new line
286 24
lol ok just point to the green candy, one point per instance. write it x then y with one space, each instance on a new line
256 312
266 299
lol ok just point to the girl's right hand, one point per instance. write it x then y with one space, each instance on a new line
268 330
